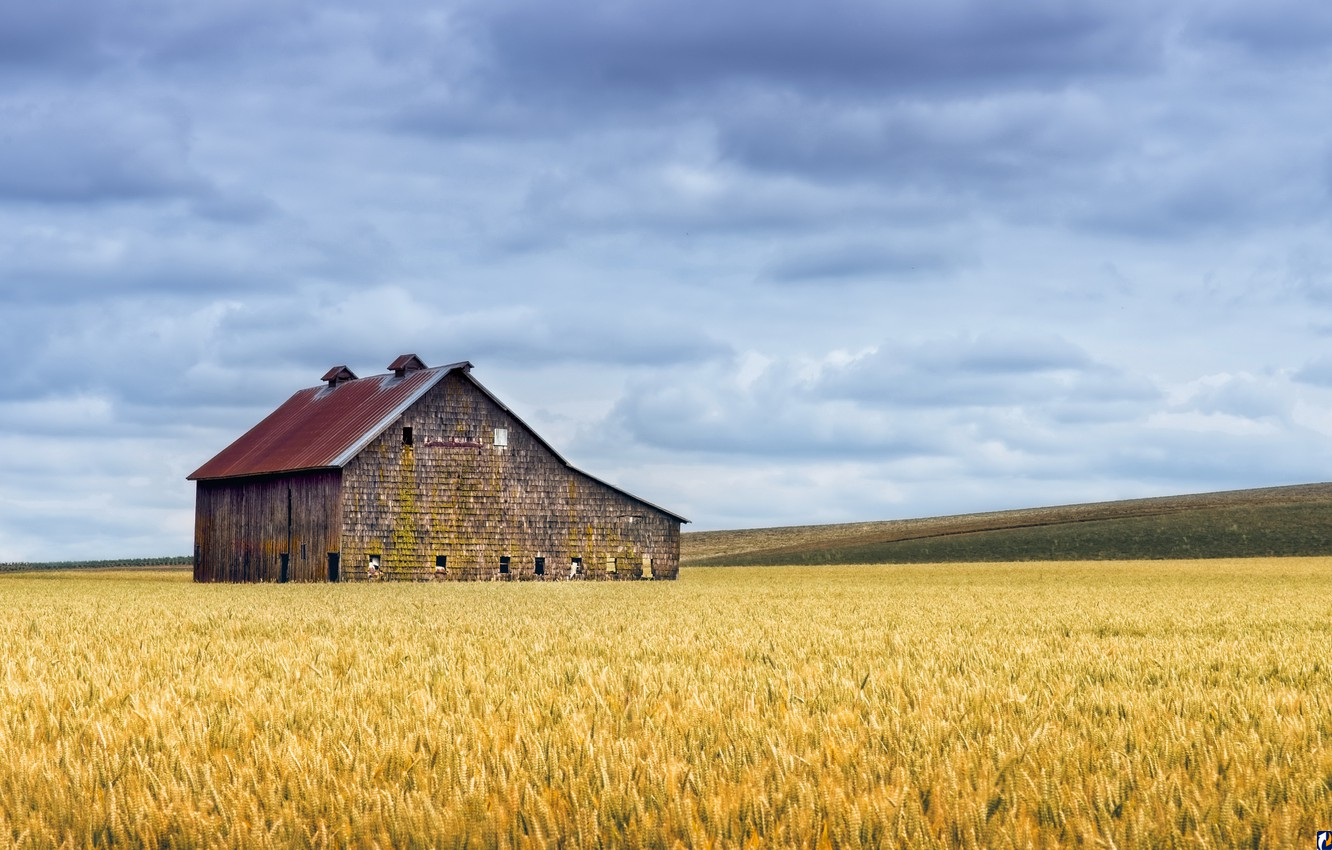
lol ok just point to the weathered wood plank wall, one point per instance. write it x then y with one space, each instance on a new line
242 529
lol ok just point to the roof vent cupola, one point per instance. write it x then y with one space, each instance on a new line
338 375
406 363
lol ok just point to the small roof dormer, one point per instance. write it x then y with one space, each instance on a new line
338 375
406 363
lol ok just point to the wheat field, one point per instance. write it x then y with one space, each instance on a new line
1117 705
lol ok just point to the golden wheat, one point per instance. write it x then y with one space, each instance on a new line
1177 704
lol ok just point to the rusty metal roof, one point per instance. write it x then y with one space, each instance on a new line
322 427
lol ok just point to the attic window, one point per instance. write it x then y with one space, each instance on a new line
501 436
406 435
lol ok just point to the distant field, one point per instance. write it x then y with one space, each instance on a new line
1276 521
167 563
1134 704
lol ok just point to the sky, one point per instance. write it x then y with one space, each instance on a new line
761 263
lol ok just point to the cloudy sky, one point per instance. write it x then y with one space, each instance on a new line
763 263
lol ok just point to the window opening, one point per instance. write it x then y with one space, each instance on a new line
303 558
539 566
610 563
504 564
501 436
372 570
575 567
407 435
647 566
285 568
333 567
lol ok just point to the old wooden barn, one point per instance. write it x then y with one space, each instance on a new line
423 473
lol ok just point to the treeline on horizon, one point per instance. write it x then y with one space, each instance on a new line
26 566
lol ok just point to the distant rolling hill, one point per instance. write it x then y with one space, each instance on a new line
1270 521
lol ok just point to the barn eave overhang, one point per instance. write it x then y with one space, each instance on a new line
261 474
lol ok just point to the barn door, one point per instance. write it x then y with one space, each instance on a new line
286 556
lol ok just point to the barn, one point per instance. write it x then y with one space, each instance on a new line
423 473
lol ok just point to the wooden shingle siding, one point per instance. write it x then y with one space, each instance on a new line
242 529
453 492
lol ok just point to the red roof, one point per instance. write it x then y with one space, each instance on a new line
323 427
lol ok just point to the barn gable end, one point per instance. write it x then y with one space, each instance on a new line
458 491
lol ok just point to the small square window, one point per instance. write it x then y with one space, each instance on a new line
501 436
